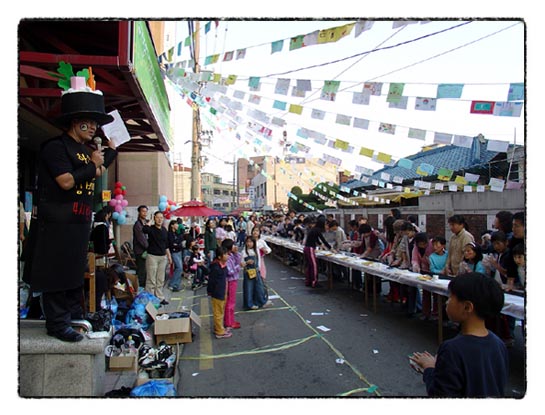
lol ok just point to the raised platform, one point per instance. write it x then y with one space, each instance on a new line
49 367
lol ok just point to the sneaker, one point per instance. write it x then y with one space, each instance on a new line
317 285
268 304
254 307
236 325
164 302
225 335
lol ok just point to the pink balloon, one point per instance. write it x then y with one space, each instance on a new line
113 202
119 197
124 202
118 208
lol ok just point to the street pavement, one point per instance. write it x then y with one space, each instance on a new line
315 343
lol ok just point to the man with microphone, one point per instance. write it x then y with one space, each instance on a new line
57 246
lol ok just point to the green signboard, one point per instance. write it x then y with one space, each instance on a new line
149 77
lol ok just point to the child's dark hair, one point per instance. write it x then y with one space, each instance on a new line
440 240
484 292
478 251
520 217
195 247
498 236
518 249
460 220
227 244
220 251
407 226
364 228
421 237
505 219
228 228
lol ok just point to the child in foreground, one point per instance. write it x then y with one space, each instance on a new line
475 363
217 289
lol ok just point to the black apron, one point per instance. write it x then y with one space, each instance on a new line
56 253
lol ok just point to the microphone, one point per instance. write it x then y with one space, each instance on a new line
98 142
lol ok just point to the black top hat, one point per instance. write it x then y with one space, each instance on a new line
82 104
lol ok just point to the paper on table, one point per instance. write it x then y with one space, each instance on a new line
116 130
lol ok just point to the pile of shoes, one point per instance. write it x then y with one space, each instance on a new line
158 361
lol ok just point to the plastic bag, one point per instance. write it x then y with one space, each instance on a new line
155 388
137 314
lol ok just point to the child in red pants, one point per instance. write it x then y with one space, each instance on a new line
233 272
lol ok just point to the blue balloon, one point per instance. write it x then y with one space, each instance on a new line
115 215
122 220
163 199
123 213
162 206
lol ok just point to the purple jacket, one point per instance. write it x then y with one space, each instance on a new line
233 266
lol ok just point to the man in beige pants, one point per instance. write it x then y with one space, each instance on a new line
158 256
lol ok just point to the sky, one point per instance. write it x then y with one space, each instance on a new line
486 56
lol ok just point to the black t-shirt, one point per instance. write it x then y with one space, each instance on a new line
157 239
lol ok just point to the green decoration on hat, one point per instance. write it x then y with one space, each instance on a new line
66 71
84 73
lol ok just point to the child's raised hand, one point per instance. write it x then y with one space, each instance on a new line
424 360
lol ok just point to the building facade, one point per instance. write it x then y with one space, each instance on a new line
218 195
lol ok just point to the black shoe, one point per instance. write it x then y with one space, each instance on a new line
317 285
164 302
66 335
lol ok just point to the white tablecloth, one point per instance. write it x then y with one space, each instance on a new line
513 305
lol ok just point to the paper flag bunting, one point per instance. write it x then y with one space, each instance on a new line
480 188
282 86
296 109
241 53
207 27
513 185
442 138
296 42
385 176
395 92
508 109
439 186
460 180
329 90
343 119
425 104
405 163
317 114
334 34
471 178
361 123
278 121
468 189
444 174
279 105
482 107
304 85
516 92
297 93
462 141
452 188
254 99
366 152
384 158
496 185
497 146
401 104
228 56
361 98
238 94
340 144
386 128
372 88
364 170
425 169
302 132
362 27
277 46
231 79
417 134
311 38
449 90
254 83
187 41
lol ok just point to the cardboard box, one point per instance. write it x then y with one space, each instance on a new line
121 363
172 331
173 379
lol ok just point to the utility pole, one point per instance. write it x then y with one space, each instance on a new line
195 144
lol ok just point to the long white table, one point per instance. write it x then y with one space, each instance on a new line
513 304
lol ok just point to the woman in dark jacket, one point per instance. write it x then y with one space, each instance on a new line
175 242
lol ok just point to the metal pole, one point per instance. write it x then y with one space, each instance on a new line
234 182
195 145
